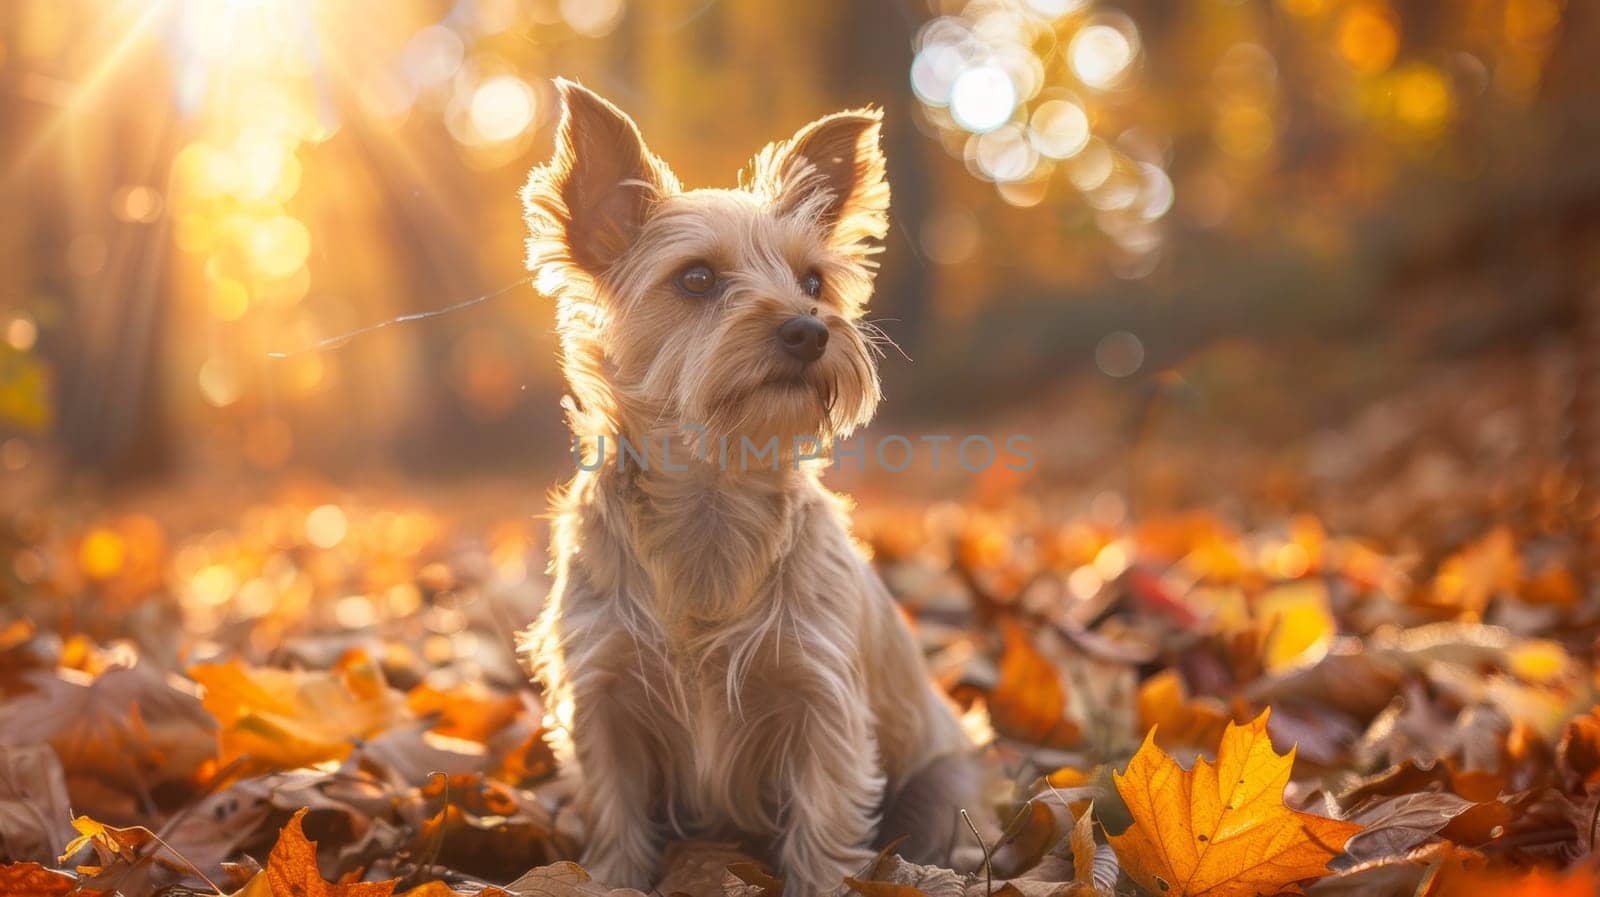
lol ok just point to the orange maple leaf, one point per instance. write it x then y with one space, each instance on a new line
292 869
1221 829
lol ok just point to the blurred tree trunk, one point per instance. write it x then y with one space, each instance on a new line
870 50
110 276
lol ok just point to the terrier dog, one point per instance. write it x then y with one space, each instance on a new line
721 656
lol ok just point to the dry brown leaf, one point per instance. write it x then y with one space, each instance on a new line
698 868
129 860
34 815
1083 850
883 889
1031 832
758 878
127 725
935 881
1221 829
1393 826
484 827
562 879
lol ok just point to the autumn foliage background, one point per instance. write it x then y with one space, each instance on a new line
1297 300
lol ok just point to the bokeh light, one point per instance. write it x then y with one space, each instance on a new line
982 98
1004 82
501 108
1101 54
1059 128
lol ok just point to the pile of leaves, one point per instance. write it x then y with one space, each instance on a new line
315 692
323 700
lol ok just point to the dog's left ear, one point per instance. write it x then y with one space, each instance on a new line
832 171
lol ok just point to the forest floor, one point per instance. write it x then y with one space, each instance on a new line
1356 662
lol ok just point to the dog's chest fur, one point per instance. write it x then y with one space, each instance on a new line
714 620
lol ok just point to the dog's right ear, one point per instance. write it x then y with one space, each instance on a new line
586 205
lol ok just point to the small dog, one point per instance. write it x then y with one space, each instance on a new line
722 658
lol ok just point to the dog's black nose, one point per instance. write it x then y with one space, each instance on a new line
803 337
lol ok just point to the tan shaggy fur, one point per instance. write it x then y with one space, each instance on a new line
720 656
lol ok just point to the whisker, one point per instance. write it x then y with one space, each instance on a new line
876 336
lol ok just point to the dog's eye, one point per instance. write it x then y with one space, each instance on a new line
698 279
811 283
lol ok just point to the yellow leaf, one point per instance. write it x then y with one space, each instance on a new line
1299 625
288 718
1221 829
123 843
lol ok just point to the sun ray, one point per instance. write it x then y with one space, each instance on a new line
84 92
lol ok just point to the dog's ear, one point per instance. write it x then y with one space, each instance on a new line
832 171
586 205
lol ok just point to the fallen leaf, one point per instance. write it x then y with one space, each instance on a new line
1397 876
130 860
1083 851
469 712
1298 624
1221 829
1028 702
758 878
883 889
1394 826
440 889
1453 882
562 879
34 819
935 881
1478 572
1034 829
1165 706
1578 753
127 725
292 869
698 868
285 718
34 880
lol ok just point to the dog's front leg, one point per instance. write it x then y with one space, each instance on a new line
831 785
620 789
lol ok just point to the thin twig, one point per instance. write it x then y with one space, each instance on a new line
988 870
191 864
